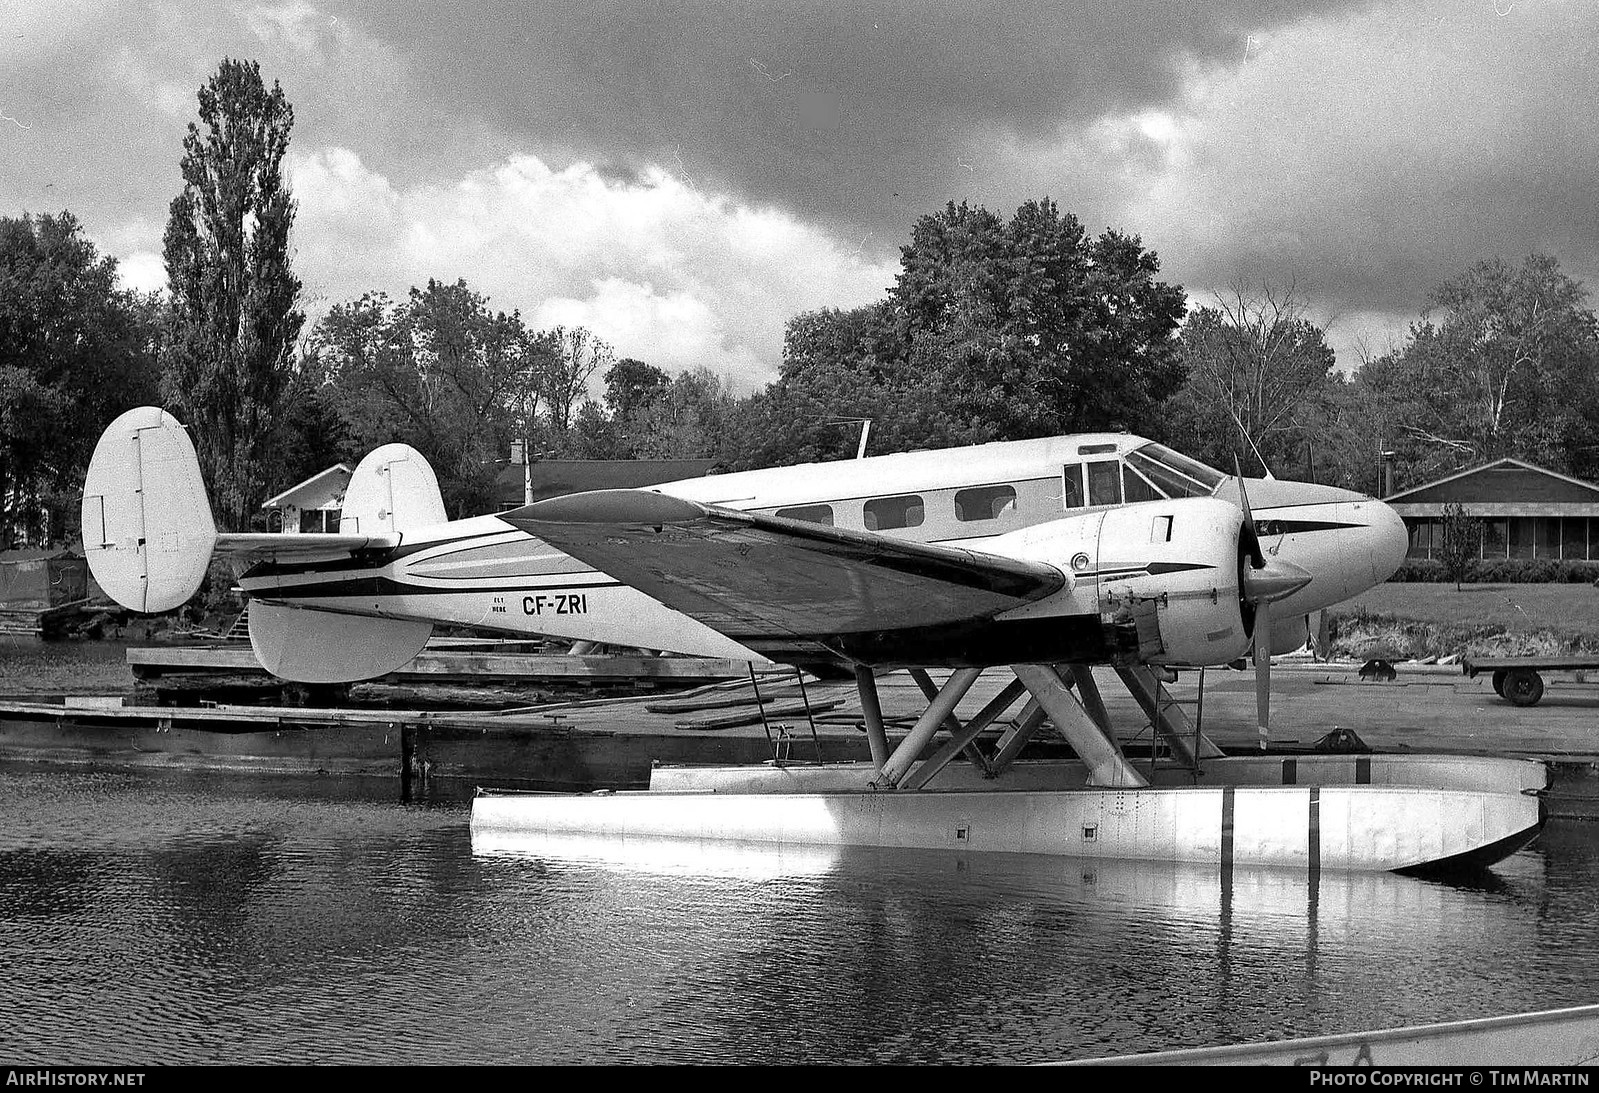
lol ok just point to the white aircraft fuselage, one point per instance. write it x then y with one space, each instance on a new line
1078 502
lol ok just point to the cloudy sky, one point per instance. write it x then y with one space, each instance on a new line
682 176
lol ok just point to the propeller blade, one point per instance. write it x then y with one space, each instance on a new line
1263 671
1251 538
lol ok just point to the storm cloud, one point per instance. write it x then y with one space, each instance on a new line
682 177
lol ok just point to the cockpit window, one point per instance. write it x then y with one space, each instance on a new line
1173 473
1105 482
1135 488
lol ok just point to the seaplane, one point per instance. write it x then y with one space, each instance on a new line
1040 559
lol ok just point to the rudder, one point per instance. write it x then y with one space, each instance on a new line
393 489
147 527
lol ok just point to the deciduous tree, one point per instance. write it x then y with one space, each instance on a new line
1259 376
75 351
234 319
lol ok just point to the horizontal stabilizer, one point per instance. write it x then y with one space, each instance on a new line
299 546
744 573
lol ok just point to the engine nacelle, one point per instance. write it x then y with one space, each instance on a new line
1176 565
1161 577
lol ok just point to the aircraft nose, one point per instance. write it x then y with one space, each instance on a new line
1390 540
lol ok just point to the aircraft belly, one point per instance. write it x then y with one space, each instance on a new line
608 613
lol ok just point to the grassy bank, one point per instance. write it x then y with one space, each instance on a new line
1436 620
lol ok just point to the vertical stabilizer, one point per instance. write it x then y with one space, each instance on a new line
392 490
147 527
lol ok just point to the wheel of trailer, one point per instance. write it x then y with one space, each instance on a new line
1523 687
1499 682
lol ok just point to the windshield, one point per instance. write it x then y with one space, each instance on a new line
1174 473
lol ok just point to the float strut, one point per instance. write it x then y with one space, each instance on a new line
1018 736
910 748
872 711
952 723
1094 746
925 772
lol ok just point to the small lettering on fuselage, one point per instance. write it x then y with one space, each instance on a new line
575 603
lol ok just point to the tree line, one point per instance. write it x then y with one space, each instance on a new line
995 328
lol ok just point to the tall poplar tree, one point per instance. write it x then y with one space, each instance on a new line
233 319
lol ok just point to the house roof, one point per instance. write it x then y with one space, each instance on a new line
1501 487
320 487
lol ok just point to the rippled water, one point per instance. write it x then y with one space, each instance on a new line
174 918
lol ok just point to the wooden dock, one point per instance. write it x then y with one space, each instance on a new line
589 742
1550 1038
40 623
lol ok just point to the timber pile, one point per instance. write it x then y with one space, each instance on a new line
747 703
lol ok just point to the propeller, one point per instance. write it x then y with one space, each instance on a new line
1262 582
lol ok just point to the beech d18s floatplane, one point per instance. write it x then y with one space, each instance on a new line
1041 558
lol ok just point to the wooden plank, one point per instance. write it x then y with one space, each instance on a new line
752 717
722 702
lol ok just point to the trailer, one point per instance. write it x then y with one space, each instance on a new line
1518 680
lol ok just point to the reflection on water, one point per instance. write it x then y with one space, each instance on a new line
185 918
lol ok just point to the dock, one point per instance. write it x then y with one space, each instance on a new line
1549 1038
587 743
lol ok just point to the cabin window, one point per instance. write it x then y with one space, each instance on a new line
887 513
811 514
1095 449
1072 489
984 503
1105 483
1134 488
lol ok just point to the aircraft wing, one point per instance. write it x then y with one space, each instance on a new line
748 574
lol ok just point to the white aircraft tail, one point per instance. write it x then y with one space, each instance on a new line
147 527
392 490
149 538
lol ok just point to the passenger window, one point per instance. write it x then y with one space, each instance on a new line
1072 478
813 514
1105 483
887 513
1135 488
984 503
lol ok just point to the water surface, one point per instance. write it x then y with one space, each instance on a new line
158 917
